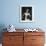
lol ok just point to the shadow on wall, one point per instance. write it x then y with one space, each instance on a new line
2 26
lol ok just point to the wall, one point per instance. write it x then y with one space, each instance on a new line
10 13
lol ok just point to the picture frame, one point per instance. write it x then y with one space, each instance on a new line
26 13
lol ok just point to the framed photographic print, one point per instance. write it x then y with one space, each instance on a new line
26 13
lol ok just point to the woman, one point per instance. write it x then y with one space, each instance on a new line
27 15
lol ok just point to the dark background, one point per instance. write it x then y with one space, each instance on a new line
24 10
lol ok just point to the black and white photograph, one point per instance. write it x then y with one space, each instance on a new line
26 14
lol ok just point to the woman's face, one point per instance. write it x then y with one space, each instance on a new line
27 10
